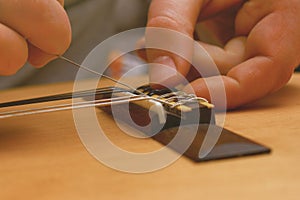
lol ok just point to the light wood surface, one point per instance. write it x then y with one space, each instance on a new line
42 157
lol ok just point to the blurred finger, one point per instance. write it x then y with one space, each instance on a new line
246 83
13 51
250 14
228 57
214 7
38 58
218 29
43 23
271 59
176 15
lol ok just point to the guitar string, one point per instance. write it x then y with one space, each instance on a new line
102 102
76 105
99 74
86 103
64 96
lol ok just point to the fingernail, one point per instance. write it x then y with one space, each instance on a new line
162 69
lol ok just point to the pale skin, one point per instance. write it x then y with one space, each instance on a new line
261 43
33 31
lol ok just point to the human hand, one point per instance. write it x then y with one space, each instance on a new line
261 44
33 31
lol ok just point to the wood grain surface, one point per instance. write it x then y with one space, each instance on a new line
42 157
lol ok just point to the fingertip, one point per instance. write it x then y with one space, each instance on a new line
39 62
141 49
141 44
37 57
199 88
161 71
214 89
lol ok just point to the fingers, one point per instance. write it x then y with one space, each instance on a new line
250 14
214 7
37 57
271 56
245 83
228 57
13 51
44 24
177 15
140 49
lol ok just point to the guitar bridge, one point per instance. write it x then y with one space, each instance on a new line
187 112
